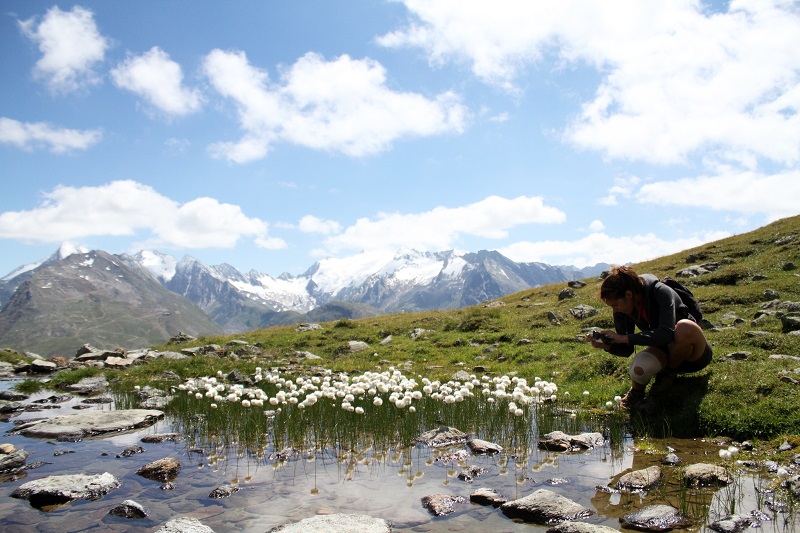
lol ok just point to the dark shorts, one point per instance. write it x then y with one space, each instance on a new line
687 367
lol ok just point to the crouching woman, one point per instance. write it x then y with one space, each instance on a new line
674 342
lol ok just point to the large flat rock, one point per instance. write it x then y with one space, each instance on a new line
53 491
89 424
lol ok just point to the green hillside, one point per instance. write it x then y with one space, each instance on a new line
535 333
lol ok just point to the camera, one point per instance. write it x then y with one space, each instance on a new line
599 337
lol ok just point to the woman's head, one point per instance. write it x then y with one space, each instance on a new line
620 288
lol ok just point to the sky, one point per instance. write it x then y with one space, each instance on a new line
270 135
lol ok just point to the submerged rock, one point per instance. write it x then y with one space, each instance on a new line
442 436
640 480
128 509
165 469
223 492
655 518
441 504
580 527
545 507
483 447
733 524
88 424
13 460
58 490
487 496
355 523
184 525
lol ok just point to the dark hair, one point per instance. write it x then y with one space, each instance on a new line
620 280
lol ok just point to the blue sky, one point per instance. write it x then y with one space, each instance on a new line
269 135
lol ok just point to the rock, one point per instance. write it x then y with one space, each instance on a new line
417 333
89 385
655 518
792 484
223 492
483 447
128 509
576 284
88 424
566 294
237 376
39 366
343 523
118 362
583 311
308 327
697 270
732 524
130 451
735 356
487 496
580 527
671 460
790 323
13 396
469 473
13 459
703 474
6 369
306 356
184 525
386 340
58 490
441 504
545 507
165 469
640 480
158 438
442 436
357 346
562 442
180 338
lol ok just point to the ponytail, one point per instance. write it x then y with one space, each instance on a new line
619 281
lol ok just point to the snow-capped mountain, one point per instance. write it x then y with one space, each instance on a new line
361 285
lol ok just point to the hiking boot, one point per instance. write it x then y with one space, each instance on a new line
663 382
631 399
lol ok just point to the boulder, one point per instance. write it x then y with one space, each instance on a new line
357 346
128 509
733 523
441 504
165 469
487 496
58 490
88 424
705 474
545 507
353 523
483 447
40 366
640 480
13 459
580 527
561 442
184 525
89 385
442 436
655 518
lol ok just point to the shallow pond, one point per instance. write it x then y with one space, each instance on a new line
384 482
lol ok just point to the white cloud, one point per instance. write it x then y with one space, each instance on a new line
123 208
312 224
159 80
775 195
602 248
439 228
342 105
624 186
596 225
71 46
31 135
676 79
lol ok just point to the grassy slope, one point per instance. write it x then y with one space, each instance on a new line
742 399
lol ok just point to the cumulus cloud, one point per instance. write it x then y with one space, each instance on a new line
71 46
33 135
312 224
773 195
439 228
159 80
125 208
602 248
342 105
676 79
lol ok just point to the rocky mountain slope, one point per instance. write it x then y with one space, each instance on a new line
95 298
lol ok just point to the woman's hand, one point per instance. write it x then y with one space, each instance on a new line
613 337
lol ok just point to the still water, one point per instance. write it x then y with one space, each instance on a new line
388 484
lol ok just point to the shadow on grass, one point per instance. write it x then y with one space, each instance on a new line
673 413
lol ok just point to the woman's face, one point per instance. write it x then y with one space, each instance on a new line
621 305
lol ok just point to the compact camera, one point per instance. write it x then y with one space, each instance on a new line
599 337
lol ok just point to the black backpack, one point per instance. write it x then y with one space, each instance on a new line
687 297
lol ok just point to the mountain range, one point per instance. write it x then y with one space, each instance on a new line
78 296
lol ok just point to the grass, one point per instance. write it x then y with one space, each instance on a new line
533 333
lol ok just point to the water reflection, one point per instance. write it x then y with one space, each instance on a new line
287 473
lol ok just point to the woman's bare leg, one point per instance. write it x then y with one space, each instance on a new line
689 343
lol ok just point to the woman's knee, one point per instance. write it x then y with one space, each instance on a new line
644 366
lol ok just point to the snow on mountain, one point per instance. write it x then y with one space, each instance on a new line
162 266
65 250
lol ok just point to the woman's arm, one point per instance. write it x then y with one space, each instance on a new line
661 313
